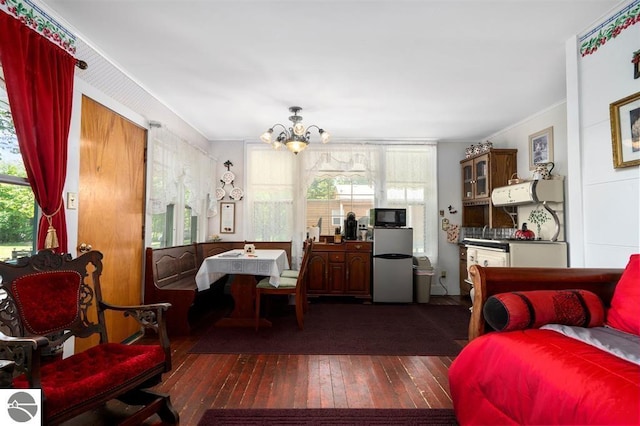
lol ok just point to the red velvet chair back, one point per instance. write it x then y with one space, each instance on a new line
32 292
52 295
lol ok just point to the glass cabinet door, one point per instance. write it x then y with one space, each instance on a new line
481 185
467 181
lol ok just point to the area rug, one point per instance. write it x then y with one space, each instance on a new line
333 416
349 329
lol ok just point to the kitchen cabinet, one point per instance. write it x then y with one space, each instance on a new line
358 273
474 178
480 174
465 287
340 269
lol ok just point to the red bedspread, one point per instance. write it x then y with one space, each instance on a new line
542 377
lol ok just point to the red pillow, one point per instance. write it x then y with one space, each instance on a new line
624 313
533 309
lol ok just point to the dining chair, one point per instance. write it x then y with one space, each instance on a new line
288 286
293 273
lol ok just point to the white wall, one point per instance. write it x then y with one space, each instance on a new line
607 217
517 136
449 194
234 152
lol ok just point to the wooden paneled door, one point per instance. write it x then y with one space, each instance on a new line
111 208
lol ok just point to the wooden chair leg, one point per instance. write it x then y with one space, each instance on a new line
300 314
257 309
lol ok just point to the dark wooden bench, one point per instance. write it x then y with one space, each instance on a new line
170 276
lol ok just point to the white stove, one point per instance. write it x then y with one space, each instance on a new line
515 253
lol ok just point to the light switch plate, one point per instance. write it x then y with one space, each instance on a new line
72 200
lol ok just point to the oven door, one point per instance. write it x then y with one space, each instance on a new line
486 256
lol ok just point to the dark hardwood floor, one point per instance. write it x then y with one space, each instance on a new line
198 382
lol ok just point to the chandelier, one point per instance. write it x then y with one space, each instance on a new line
295 138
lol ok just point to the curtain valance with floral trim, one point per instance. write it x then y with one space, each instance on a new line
38 20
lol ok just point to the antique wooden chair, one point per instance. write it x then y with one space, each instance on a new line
288 285
48 298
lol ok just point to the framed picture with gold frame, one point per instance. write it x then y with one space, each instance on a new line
227 218
625 131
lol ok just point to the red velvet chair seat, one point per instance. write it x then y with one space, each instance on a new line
94 372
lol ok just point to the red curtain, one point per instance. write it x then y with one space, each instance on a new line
39 79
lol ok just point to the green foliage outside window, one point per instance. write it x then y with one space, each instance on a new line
16 213
16 197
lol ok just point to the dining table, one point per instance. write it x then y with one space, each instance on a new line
245 268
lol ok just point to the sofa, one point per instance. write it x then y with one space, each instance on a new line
551 346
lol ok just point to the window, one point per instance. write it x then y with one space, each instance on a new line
162 228
18 208
271 179
180 184
330 199
410 180
190 226
326 182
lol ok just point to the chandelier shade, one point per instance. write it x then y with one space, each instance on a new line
296 138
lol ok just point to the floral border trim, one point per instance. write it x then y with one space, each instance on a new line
611 28
39 21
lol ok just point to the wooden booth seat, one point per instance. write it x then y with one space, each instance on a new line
170 276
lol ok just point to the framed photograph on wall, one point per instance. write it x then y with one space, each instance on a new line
625 131
541 147
227 218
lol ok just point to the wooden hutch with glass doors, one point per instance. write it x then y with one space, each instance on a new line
481 173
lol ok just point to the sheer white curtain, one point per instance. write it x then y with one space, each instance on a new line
270 194
181 176
164 170
331 160
410 181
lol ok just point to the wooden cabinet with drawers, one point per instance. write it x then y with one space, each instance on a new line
340 269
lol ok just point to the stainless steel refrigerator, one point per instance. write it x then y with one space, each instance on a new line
393 265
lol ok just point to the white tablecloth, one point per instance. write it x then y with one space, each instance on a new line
269 263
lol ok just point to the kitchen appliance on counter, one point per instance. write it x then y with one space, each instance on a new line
393 265
388 217
515 253
351 227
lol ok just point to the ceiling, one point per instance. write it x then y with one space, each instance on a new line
450 70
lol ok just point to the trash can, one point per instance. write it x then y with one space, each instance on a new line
422 273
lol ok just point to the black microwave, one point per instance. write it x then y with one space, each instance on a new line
390 218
